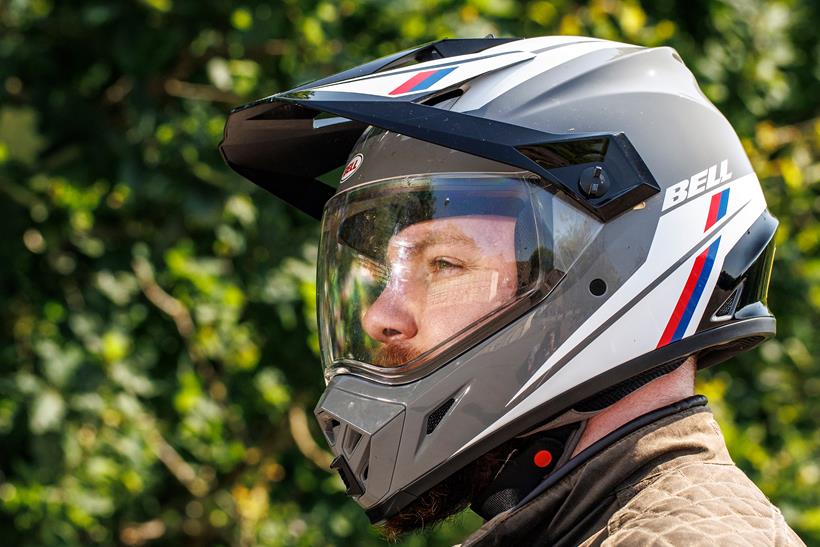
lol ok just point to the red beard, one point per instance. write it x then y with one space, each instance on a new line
447 498
394 355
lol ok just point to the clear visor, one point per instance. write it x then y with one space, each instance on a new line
410 267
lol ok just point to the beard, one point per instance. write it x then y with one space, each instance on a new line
447 498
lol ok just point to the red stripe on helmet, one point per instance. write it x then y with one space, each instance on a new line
680 307
714 207
411 83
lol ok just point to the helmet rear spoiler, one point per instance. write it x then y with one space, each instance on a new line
284 142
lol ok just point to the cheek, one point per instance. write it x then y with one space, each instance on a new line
438 324
448 321
473 290
452 305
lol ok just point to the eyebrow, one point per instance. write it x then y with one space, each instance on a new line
438 239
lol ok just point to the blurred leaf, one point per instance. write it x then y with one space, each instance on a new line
48 410
19 137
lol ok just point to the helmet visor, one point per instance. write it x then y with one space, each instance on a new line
408 267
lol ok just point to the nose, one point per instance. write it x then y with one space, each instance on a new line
390 319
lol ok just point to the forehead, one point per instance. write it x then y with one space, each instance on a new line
470 230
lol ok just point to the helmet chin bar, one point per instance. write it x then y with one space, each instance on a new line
533 456
353 424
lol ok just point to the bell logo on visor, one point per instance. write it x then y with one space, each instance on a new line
352 166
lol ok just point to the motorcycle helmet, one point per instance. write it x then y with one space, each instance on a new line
525 231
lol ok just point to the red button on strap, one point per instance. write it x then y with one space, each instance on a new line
542 458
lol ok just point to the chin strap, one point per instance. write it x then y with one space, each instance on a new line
532 459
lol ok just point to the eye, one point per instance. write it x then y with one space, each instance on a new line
446 264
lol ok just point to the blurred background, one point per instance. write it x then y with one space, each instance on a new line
158 350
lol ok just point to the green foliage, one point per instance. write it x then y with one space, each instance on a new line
158 350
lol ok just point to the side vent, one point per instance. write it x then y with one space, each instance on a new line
436 416
727 309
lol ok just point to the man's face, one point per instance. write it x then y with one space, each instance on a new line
444 275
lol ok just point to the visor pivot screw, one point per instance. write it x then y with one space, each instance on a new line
593 182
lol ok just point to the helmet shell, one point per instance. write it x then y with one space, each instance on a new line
681 271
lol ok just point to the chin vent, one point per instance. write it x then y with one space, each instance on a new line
436 416
352 439
330 427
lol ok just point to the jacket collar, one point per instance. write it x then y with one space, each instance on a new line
586 485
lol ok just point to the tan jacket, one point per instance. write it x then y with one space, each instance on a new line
671 482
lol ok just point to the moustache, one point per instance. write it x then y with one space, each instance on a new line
394 355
